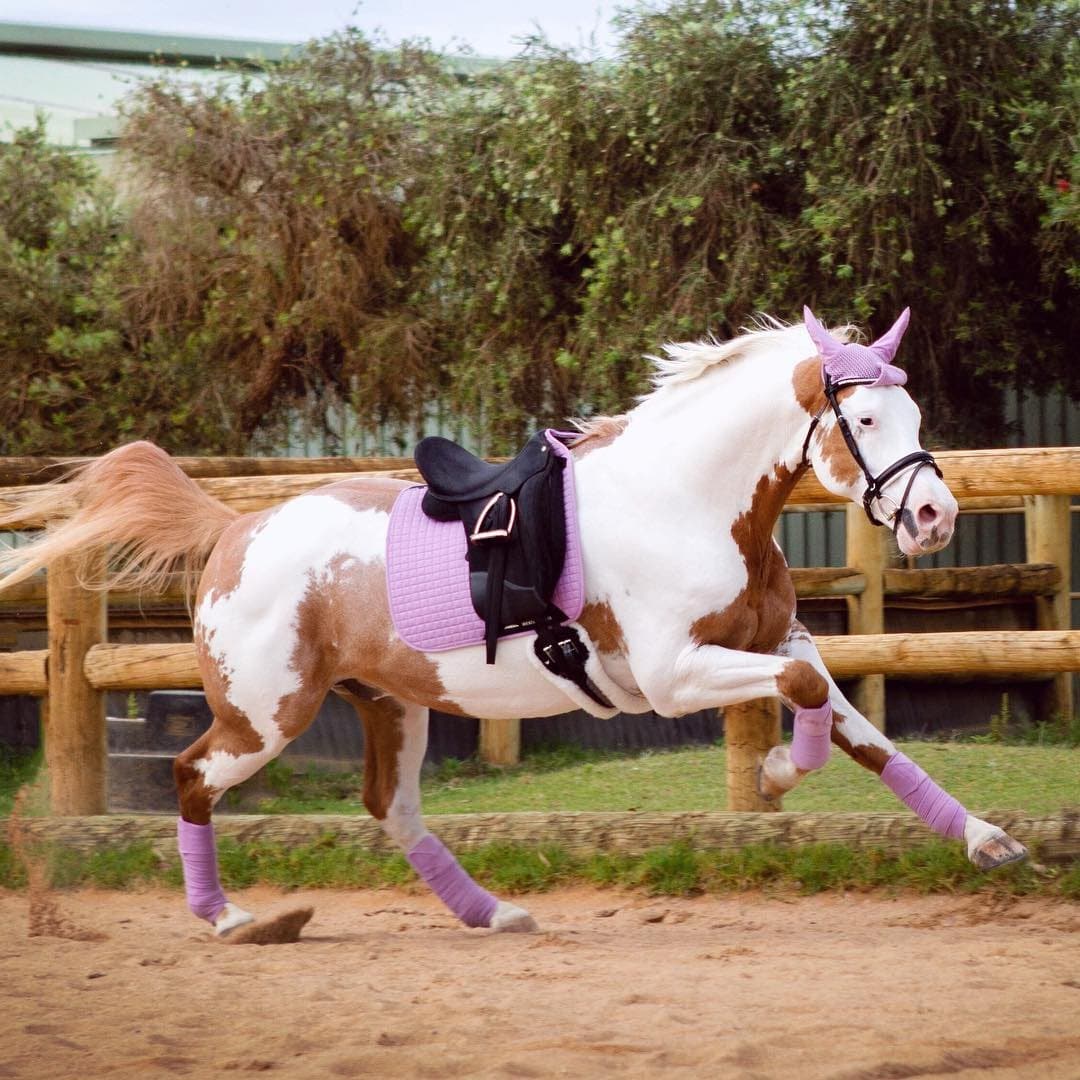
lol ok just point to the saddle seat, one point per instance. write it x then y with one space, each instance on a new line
454 475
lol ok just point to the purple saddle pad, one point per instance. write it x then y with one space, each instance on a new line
427 575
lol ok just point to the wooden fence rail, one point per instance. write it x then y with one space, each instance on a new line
78 667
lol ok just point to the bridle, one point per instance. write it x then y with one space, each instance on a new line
875 485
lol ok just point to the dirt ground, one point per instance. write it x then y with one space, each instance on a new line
385 984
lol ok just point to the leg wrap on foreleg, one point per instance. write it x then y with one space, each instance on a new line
432 860
198 855
811 741
936 807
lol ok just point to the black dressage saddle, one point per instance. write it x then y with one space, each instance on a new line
515 525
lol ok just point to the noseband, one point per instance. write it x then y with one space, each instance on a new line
875 485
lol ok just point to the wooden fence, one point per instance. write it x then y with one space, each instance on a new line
79 666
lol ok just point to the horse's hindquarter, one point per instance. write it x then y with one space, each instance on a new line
290 595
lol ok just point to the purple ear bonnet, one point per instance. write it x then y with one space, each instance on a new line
849 363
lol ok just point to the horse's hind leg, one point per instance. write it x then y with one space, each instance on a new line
395 738
230 752
988 846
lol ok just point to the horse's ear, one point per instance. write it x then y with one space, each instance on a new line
889 342
826 344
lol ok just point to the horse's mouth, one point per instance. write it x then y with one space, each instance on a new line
923 543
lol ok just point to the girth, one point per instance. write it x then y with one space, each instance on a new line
514 519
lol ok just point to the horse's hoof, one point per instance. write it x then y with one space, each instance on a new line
280 930
765 789
229 918
997 850
776 774
510 919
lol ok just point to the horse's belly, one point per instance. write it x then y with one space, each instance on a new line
510 688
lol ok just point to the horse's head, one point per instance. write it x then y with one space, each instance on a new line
864 442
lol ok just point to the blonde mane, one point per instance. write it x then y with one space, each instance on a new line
685 361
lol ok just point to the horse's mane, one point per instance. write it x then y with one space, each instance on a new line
685 361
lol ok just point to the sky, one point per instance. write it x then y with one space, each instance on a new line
488 27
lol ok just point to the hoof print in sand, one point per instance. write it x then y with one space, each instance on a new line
280 930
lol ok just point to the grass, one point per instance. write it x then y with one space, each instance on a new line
673 870
17 767
1033 778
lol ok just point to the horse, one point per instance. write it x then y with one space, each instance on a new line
688 603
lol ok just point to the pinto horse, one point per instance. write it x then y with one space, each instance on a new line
688 603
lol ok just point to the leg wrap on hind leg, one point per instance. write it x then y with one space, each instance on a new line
811 741
432 860
198 855
936 807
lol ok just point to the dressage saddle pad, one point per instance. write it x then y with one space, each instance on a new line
427 567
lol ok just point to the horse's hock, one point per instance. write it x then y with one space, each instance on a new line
78 667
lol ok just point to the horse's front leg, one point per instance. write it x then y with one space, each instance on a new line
987 845
395 738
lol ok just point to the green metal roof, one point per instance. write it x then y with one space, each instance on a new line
75 43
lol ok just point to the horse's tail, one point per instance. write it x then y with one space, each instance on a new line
135 500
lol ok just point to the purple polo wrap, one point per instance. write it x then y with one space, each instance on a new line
437 866
912 786
847 363
198 856
811 741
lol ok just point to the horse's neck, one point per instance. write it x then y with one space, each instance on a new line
722 442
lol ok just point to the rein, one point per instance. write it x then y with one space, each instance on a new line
875 485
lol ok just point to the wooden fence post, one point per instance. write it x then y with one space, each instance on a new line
500 742
1047 530
868 552
76 749
751 730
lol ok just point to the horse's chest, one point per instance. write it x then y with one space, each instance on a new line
759 617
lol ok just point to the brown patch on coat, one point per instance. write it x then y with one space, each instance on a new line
802 684
383 740
354 611
226 562
598 433
838 459
599 620
810 394
873 758
759 618
809 389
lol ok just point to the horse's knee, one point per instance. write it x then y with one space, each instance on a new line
802 685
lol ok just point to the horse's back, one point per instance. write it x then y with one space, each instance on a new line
306 562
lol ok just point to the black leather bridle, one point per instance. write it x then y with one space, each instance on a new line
875 485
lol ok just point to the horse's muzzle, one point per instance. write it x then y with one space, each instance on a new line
928 528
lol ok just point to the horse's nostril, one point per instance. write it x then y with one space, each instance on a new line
927 515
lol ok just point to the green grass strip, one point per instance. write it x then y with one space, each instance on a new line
673 870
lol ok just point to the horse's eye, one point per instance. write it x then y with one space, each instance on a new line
866 421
